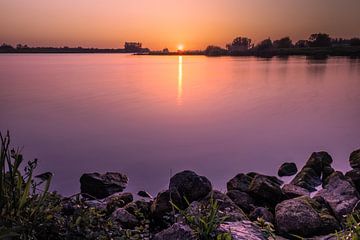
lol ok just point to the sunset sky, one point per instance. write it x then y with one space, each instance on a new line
168 23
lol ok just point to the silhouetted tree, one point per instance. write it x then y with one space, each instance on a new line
165 50
215 51
285 42
355 42
239 44
302 44
265 45
319 40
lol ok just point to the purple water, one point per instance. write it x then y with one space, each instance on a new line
148 116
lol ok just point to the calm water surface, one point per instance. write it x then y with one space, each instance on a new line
147 116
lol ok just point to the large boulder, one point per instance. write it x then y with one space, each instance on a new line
189 187
293 191
96 185
339 194
266 189
287 169
242 200
178 231
355 159
310 175
304 217
242 230
240 182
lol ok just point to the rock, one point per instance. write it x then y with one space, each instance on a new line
102 185
117 200
287 169
242 200
261 212
240 182
178 231
267 189
292 191
318 160
125 218
161 204
340 195
242 230
298 216
327 171
355 159
354 176
310 175
189 185
144 194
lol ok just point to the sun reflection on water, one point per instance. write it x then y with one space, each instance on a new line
180 81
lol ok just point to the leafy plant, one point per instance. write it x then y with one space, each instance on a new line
21 208
267 228
352 227
206 221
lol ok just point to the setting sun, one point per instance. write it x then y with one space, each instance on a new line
180 47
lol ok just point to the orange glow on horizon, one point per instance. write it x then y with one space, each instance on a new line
180 47
160 24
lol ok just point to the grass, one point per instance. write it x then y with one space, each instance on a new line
206 222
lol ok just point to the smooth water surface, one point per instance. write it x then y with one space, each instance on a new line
148 116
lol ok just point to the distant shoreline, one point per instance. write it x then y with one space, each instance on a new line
353 51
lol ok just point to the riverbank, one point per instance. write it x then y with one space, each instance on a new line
316 52
318 201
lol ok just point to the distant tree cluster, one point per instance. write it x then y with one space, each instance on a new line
244 45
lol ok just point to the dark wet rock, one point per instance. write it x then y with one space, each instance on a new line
340 195
327 171
354 176
304 217
307 178
261 212
266 189
144 194
242 230
287 169
178 231
319 159
102 185
310 175
189 185
125 218
293 191
161 204
242 200
355 159
240 182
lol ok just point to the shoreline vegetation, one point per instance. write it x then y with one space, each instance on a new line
318 45
318 201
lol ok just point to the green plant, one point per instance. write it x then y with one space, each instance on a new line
352 227
205 221
267 228
21 208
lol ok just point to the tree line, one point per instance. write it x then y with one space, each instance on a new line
244 45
